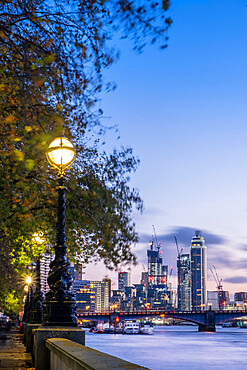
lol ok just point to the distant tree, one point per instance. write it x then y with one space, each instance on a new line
51 61
11 289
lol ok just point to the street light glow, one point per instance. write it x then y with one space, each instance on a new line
37 238
29 280
61 154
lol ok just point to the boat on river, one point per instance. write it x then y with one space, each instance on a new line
131 327
146 327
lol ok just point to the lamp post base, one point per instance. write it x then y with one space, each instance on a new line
59 312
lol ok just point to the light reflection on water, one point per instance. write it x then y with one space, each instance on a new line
177 347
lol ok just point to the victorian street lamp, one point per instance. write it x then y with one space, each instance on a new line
27 300
59 306
29 280
36 311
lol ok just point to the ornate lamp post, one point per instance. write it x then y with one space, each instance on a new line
59 305
29 281
27 300
36 311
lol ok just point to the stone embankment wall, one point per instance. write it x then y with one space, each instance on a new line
66 354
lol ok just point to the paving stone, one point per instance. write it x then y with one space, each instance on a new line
13 354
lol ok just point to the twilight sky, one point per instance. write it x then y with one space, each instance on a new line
184 112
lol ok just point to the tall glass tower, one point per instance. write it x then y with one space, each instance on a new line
198 272
184 282
157 273
123 280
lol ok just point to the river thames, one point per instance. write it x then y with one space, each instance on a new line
176 347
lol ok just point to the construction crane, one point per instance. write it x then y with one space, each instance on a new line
221 294
216 278
178 250
157 243
171 270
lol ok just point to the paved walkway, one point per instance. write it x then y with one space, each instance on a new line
13 354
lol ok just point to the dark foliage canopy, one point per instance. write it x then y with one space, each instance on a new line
51 62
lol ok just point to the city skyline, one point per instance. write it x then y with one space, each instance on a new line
183 111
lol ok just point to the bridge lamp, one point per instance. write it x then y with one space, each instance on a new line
59 304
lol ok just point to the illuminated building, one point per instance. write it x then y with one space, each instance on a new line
108 281
141 296
240 296
213 300
184 291
198 272
159 294
85 295
91 296
144 278
123 280
218 299
101 296
129 298
116 298
157 273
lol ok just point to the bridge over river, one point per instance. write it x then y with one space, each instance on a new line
206 320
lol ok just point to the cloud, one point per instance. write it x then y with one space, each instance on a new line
236 279
219 252
184 235
244 247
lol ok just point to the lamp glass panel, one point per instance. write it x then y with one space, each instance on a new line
61 157
61 141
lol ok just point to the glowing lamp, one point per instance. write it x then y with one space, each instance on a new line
38 238
29 280
61 154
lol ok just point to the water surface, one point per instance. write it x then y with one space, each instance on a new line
174 347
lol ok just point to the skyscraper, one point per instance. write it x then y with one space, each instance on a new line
123 280
184 278
157 273
198 272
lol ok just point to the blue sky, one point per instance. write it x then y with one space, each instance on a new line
184 112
